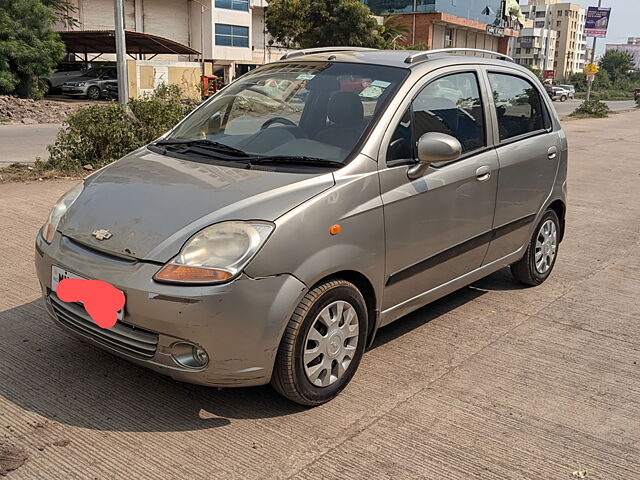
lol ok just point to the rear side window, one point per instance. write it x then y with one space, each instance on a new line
519 108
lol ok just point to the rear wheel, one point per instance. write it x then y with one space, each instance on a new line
540 257
93 93
322 345
563 98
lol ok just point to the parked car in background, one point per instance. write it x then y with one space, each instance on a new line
269 234
636 94
65 72
557 93
569 88
92 84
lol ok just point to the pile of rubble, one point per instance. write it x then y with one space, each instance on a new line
27 111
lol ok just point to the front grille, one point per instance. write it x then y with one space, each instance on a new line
122 336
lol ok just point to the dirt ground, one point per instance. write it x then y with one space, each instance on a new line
492 382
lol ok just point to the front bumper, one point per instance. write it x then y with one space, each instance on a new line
74 90
238 324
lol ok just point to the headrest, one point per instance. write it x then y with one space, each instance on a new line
345 109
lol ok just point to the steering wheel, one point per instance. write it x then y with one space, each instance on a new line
271 121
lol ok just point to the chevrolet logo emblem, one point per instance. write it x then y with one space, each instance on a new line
102 234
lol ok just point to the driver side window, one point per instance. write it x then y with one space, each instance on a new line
450 105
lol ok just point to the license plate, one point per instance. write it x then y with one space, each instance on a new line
58 274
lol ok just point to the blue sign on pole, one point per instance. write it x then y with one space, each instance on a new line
597 22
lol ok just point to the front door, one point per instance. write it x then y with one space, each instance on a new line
438 226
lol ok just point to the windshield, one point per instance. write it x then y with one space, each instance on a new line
316 110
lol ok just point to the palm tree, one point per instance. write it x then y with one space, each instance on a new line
393 30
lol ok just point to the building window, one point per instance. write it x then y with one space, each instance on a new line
448 37
242 5
232 35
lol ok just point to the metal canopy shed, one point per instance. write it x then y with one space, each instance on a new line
104 41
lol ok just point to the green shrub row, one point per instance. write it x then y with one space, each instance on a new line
100 134
607 95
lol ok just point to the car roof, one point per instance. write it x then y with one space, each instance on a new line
409 59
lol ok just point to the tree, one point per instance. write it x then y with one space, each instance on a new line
321 23
393 30
29 48
536 71
617 63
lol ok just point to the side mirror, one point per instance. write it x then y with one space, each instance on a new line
434 147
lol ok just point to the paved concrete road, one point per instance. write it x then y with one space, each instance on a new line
23 143
569 106
494 381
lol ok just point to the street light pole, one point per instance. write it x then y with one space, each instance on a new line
121 51
593 60
203 8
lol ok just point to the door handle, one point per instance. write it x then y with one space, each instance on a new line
552 153
483 173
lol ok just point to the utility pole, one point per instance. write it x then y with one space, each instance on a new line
121 52
593 60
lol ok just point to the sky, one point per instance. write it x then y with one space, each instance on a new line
625 20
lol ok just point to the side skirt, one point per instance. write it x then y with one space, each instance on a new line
394 313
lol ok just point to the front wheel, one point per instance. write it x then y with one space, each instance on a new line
93 93
563 98
540 257
322 345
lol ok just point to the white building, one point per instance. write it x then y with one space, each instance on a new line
231 34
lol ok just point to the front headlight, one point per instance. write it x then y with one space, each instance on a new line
217 253
81 84
59 209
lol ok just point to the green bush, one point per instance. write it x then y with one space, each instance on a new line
100 134
592 108
607 95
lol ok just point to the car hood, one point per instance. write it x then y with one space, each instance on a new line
152 203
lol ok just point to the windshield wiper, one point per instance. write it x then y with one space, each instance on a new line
297 160
204 143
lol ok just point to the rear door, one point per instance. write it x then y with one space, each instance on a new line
528 150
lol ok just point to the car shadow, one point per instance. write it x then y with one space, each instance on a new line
68 381
500 280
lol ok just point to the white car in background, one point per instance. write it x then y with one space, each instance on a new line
569 88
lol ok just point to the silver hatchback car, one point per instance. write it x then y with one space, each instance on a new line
313 201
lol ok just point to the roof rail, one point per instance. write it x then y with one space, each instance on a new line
310 51
421 56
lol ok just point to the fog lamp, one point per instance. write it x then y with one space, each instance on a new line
189 355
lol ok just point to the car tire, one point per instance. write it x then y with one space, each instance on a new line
93 93
563 98
334 345
541 254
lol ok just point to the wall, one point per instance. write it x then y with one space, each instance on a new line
430 29
147 75
167 18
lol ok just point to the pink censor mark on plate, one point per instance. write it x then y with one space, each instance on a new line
101 300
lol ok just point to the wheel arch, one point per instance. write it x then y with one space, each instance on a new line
560 209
